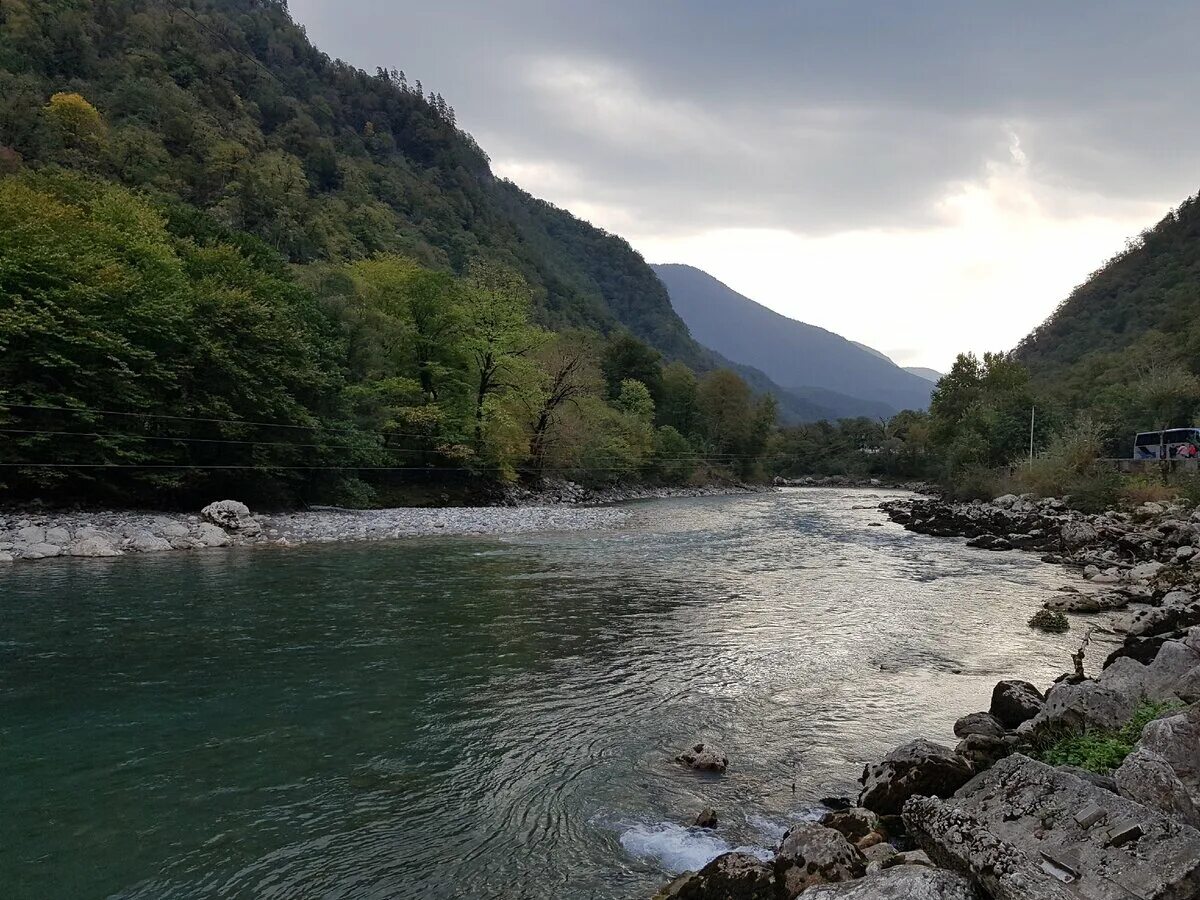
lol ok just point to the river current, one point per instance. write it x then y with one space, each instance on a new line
484 717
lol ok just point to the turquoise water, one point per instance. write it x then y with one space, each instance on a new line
493 718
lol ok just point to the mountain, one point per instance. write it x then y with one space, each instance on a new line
223 107
808 361
1139 313
931 375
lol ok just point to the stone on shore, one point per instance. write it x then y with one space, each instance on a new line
731 876
92 546
1177 740
855 823
1027 831
1082 707
1014 702
901 882
979 723
230 514
704 758
1145 776
918 767
813 854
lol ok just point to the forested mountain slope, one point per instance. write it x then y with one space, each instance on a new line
1134 321
798 356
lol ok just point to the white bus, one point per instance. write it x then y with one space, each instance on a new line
1174 443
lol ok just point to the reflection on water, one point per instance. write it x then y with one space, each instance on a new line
486 717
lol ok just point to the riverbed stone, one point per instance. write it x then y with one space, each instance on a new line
813 854
902 882
918 767
5 557
31 534
58 535
1015 701
704 758
1147 777
706 818
41 550
1011 828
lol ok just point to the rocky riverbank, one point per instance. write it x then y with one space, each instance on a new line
559 506
988 818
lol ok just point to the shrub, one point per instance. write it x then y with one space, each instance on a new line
1102 751
1095 490
1049 620
1139 489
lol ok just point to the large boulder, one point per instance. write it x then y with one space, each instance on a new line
1027 831
1177 740
1085 706
901 882
209 535
1179 609
143 541
1145 776
231 514
704 758
1014 702
1077 535
918 767
814 854
731 876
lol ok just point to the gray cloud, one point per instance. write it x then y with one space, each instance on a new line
810 116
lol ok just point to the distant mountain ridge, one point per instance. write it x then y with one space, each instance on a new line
809 362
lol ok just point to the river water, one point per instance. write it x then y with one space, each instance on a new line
482 717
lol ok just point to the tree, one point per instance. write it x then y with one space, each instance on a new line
627 357
497 335
567 366
77 123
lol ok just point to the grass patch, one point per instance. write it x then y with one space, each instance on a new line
1102 751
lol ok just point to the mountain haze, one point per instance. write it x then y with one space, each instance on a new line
806 360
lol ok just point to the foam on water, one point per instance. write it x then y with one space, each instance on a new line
680 849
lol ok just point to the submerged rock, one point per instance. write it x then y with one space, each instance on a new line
918 767
704 758
706 818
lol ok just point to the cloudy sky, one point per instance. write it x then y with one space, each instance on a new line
924 178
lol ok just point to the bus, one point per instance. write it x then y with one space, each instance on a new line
1174 443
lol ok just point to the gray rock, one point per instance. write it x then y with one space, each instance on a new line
1104 782
1083 706
978 723
1014 702
5 557
706 818
704 758
731 876
211 535
1077 535
814 854
1148 778
31 534
903 882
230 514
1187 688
41 551
145 542
1177 740
854 823
918 767
57 535
92 547
1012 827
173 530
982 750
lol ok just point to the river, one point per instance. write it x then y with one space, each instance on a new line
492 717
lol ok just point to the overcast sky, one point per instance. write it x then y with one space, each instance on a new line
924 178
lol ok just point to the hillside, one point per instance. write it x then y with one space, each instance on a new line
1138 314
809 361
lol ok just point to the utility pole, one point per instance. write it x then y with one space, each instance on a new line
1032 417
